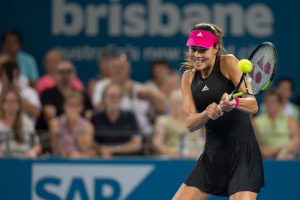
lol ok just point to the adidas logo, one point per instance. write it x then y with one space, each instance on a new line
205 88
199 35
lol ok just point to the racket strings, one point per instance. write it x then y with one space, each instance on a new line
264 62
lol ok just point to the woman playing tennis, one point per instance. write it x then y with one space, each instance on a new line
231 164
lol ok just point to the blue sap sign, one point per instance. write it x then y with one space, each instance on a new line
78 188
84 181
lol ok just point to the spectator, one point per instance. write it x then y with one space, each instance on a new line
116 130
22 79
278 134
53 98
137 97
103 62
163 81
71 134
171 136
12 43
172 83
21 141
160 70
10 77
52 58
285 88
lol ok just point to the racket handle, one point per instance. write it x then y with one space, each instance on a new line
237 95
232 96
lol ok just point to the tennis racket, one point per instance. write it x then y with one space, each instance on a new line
264 59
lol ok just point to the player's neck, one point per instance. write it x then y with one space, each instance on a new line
208 70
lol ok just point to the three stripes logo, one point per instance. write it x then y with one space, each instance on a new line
205 88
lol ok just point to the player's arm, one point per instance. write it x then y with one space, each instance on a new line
247 103
194 120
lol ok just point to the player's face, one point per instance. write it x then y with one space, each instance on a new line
201 57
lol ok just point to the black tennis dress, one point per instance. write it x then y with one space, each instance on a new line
231 161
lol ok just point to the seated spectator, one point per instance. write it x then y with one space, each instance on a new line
137 98
71 134
12 43
285 88
171 137
17 133
9 75
172 83
53 99
277 133
52 58
160 70
103 62
116 130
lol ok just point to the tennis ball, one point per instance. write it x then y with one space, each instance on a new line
245 65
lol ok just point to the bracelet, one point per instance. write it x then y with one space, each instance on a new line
237 101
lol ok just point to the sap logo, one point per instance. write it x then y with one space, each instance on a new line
86 181
77 187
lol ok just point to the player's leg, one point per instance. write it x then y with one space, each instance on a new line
189 193
243 195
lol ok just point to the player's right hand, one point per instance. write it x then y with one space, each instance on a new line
213 111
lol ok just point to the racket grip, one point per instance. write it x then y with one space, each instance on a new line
237 95
232 96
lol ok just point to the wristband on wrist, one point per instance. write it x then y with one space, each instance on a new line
237 101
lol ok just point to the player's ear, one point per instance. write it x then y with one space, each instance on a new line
216 48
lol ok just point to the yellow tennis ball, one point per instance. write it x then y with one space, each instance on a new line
245 65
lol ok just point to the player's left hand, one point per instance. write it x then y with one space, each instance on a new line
225 104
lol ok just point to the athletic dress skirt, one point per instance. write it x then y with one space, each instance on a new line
225 173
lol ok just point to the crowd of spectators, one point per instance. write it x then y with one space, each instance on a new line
113 115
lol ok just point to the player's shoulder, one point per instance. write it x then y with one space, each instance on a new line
229 58
228 61
188 75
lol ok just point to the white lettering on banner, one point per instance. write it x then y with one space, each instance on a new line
86 181
260 20
157 18
148 53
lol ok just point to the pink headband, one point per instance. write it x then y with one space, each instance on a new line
202 38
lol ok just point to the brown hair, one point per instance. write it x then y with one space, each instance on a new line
17 127
187 64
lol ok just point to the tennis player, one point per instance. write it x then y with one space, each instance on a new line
231 164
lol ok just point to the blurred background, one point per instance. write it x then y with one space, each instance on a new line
90 104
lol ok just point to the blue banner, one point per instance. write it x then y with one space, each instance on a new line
149 29
122 179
